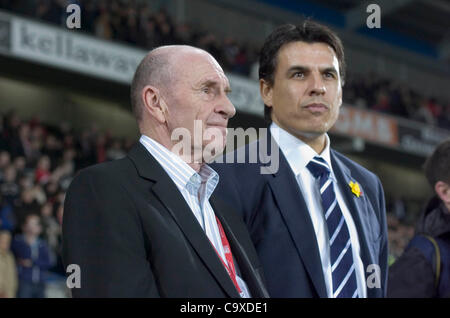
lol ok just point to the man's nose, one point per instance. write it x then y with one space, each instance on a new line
226 108
317 85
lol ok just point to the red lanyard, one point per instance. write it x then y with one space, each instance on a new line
228 256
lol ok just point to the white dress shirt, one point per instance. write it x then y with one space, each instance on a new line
298 154
196 189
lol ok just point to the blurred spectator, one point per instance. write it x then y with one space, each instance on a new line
24 136
102 24
399 208
7 216
33 258
49 10
50 227
424 114
241 62
62 174
8 272
89 14
383 102
230 51
183 33
115 151
9 189
5 160
28 204
20 165
52 149
42 172
420 272
11 134
100 148
60 213
399 234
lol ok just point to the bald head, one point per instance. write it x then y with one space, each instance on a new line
158 69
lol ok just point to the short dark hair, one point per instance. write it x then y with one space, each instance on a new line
437 166
309 32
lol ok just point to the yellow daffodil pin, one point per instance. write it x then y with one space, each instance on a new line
355 188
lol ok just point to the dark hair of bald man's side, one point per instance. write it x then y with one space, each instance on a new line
153 70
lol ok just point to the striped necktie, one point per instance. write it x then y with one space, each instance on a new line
341 257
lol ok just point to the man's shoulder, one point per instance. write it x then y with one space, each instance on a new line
105 173
108 168
354 167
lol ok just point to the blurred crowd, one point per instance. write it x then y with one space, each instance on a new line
402 214
134 22
382 95
37 164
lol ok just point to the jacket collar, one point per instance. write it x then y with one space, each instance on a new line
435 220
167 192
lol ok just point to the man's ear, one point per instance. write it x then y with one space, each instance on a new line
154 104
265 90
443 191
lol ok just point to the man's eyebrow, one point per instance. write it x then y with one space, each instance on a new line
208 82
212 82
331 69
296 68
302 68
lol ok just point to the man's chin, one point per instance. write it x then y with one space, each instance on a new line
304 133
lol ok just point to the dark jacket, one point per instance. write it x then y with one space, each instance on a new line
280 225
413 274
129 229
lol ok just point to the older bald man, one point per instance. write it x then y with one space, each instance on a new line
149 225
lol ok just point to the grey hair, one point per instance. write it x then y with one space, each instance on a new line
154 70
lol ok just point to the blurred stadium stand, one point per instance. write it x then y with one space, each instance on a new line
64 100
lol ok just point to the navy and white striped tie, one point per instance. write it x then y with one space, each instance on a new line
341 257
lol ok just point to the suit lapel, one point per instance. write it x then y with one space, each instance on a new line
297 219
173 201
359 211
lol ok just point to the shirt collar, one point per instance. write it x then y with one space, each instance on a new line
297 153
179 171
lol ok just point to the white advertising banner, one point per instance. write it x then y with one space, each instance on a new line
73 51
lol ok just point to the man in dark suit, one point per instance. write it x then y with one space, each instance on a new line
317 218
149 225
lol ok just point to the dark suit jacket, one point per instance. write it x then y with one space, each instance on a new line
133 235
280 226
